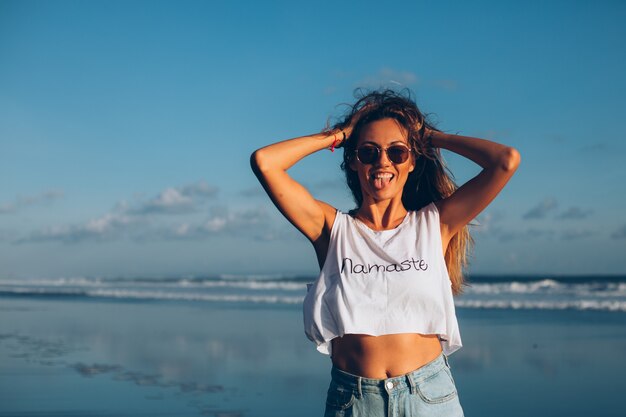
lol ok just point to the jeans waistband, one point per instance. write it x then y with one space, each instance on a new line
409 380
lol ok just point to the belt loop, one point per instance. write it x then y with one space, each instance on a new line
409 376
358 384
445 358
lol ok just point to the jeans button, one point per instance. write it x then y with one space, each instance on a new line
389 384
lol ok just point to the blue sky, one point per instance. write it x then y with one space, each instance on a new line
126 127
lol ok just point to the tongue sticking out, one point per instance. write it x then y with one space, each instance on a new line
380 183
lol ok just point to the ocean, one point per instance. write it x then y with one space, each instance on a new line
603 293
233 345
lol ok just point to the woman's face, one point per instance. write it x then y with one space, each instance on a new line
383 179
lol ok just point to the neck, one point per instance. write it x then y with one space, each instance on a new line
381 215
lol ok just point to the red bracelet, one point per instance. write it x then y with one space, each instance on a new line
332 147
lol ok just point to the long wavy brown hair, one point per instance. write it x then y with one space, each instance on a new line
430 181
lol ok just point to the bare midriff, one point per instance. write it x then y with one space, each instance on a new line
386 356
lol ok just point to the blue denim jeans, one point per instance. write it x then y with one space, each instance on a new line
427 391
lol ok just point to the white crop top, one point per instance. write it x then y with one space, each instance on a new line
383 282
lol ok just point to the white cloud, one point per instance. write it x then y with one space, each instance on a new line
394 78
488 221
174 200
130 219
575 213
254 222
22 202
542 209
169 199
389 77
108 226
215 224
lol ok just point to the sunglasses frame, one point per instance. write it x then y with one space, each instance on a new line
380 153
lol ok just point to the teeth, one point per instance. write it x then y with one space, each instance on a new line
383 175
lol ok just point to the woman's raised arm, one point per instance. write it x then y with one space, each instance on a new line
270 165
499 163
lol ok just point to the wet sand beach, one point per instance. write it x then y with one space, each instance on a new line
173 358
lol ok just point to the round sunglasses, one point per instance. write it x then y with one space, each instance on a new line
369 154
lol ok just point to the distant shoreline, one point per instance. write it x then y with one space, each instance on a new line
539 277
312 277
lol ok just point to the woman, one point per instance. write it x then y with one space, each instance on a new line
382 305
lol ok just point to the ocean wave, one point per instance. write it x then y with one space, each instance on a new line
150 295
546 294
277 282
549 286
265 285
160 295
56 282
605 305
251 284
545 286
525 304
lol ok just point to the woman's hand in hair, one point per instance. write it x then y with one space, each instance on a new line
427 135
349 124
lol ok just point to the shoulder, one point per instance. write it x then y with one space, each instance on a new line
430 210
437 205
444 229
431 215
321 244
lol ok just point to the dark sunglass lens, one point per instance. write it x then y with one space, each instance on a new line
398 154
367 154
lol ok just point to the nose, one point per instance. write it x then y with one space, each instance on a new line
383 158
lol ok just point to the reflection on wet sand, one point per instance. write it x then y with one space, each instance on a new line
54 352
222 361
